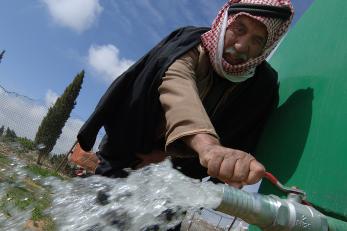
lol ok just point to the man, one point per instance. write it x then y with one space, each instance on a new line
202 95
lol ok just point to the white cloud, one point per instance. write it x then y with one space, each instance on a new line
24 116
78 15
106 61
50 98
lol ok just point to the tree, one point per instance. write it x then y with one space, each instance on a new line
52 124
10 135
2 55
2 129
8 132
13 134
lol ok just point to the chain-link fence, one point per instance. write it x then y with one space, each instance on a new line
24 115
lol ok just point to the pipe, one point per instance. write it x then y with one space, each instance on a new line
273 213
336 225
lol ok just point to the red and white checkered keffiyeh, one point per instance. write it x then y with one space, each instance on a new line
213 40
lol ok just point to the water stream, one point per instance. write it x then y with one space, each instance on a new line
153 198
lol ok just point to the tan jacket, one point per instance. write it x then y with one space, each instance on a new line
184 86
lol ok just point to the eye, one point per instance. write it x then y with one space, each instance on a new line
238 29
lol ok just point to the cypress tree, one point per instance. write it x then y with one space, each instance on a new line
2 55
2 129
13 134
52 124
10 135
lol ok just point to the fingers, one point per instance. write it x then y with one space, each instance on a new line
242 168
226 171
256 172
233 167
214 164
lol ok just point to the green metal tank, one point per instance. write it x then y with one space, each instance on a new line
305 143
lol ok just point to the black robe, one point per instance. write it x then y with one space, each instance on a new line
130 109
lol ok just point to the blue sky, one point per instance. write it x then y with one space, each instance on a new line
46 47
48 42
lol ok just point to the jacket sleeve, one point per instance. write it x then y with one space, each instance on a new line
184 112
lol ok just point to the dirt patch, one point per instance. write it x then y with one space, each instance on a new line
35 225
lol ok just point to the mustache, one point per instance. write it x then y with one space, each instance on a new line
233 52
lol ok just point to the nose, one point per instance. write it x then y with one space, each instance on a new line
242 45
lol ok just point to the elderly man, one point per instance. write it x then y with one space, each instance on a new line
202 96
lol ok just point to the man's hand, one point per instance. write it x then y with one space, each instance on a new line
231 166
87 160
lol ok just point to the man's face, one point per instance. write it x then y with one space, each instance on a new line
245 38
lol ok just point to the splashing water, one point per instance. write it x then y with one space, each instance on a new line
153 198
19 217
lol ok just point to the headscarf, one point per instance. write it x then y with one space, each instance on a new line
213 40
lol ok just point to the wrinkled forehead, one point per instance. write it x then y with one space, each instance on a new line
244 19
247 18
282 12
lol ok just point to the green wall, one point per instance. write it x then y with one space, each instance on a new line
305 142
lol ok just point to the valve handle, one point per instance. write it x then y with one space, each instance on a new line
283 188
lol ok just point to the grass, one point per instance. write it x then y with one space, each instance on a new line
43 171
4 160
26 194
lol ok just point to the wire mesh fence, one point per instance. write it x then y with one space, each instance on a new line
24 115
